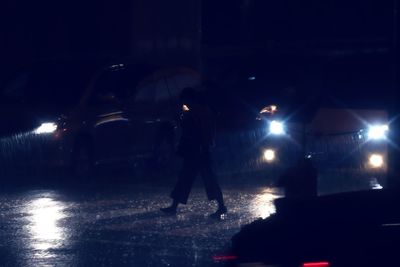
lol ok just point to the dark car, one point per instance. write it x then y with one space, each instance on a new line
348 229
351 140
91 116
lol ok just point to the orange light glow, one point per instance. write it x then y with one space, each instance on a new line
269 109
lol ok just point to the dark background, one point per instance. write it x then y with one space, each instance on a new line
341 50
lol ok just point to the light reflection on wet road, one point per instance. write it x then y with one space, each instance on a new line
123 228
43 223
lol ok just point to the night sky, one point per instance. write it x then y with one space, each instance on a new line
227 21
306 45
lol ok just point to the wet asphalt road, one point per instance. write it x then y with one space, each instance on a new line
120 227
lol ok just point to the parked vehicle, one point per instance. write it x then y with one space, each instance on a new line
120 114
351 140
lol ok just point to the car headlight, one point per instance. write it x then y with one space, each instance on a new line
269 155
276 128
46 128
378 132
376 161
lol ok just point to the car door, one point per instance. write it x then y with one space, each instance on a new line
144 112
110 123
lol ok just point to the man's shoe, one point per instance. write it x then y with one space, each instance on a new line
221 211
169 210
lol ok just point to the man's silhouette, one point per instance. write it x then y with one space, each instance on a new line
198 130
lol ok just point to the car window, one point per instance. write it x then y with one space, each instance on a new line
162 93
146 94
116 82
178 82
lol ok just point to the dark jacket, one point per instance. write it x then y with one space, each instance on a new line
198 131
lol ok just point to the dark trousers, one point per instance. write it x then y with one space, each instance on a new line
192 166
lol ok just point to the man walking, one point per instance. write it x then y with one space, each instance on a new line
198 130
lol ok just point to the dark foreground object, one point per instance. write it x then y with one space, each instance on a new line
352 229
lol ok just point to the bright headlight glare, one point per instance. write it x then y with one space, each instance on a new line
376 161
269 155
45 128
276 127
378 132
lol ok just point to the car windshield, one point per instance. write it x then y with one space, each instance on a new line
120 80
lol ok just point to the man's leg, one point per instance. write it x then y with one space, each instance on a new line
183 186
212 187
